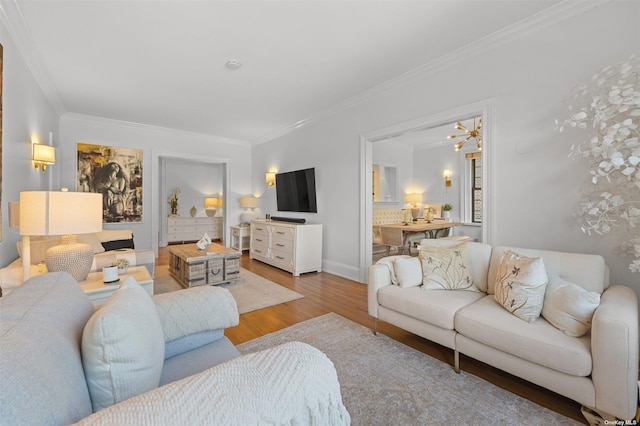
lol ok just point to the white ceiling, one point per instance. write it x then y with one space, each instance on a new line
162 63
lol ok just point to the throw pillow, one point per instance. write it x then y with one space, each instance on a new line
93 241
389 262
569 307
520 285
123 347
446 268
408 271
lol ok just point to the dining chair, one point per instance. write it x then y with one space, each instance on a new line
392 237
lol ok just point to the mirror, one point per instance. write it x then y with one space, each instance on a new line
385 183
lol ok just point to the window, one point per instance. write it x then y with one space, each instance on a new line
473 196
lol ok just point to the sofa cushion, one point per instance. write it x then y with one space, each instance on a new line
437 307
446 268
93 241
123 347
569 307
389 263
520 285
479 255
487 322
38 247
408 271
587 270
41 325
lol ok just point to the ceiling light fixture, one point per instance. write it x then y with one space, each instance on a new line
233 65
475 133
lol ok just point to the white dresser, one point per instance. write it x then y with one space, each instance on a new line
183 228
296 248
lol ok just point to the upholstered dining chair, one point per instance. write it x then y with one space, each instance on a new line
392 237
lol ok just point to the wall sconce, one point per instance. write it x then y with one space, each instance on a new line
210 204
43 155
447 179
270 177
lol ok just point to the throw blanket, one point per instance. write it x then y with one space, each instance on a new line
290 384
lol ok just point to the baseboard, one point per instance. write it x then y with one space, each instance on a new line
340 269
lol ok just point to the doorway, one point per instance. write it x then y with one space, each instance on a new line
159 187
480 109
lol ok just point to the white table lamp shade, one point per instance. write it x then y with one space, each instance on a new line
60 213
248 202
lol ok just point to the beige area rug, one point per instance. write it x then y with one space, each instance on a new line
384 382
251 291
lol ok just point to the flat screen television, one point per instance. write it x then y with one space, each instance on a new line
296 191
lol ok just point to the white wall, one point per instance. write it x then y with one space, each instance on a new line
27 117
536 186
164 143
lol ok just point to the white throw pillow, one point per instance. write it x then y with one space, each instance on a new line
408 271
123 347
569 307
93 241
446 268
389 262
520 285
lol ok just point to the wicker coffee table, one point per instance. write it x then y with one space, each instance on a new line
191 267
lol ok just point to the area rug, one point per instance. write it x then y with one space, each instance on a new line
384 382
251 291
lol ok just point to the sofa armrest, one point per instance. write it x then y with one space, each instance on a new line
195 310
614 347
290 384
379 276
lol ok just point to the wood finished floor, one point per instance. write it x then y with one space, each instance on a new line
326 293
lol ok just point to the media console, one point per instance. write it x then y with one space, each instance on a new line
294 247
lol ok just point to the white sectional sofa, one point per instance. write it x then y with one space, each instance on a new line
107 245
599 369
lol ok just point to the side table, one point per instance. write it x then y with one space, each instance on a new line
240 237
99 292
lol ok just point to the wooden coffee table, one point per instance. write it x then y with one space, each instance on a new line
216 264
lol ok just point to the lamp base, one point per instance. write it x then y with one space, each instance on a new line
211 212
247 216
75 258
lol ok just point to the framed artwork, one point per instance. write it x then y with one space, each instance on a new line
116 173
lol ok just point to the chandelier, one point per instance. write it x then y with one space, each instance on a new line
475 133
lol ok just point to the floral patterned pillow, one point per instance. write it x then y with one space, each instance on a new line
520 285
446 268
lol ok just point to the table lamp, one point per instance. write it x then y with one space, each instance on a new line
248 203
60 213
210 204
414 199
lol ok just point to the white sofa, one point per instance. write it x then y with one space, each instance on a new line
141 360
107 245
599 370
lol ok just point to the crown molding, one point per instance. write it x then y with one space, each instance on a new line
152 128
543 19
13 19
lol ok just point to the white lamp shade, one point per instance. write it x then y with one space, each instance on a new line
60 213
211 202
44 153
414 198
249 202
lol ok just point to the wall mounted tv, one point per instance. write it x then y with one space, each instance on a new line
296 191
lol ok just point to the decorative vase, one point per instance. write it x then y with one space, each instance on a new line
174 210
193 211
446 214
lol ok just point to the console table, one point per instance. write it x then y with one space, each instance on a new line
296 248
216 264
99 292
183 228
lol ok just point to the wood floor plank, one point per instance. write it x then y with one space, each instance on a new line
326 293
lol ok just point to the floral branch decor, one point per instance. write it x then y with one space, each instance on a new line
608 109
173 200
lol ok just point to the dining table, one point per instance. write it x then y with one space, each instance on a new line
434 229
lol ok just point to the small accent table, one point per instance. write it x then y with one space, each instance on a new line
216 264
99 292
240 237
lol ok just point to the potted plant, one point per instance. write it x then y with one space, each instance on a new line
173 200
446 211
122 264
